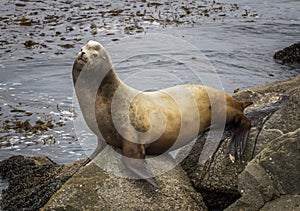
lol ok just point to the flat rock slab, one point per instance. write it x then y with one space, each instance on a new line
92 188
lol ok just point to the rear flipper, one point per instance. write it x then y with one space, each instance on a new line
240 136
134 159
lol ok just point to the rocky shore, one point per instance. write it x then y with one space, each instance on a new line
267 176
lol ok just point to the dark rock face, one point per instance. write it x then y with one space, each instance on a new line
273 114
28 180
32 181
289 54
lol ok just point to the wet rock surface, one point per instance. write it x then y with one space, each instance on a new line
288 55
273 114
32 181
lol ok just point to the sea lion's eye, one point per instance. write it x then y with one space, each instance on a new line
97 47
95 54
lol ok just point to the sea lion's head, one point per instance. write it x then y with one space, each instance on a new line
92 59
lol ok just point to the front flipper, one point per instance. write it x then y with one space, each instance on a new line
240 136
100 146
134 159
141 169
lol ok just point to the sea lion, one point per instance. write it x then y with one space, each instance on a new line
149 123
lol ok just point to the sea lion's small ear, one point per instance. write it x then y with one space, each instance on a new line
245 104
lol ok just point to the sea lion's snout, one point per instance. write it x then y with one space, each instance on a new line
89 51
82 57
81 54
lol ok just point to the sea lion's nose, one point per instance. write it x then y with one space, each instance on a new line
82 53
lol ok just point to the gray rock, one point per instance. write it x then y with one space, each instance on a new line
217 178
285 202
92 188
274 172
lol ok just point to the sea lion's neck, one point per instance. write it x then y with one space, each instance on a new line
111 79
110 83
